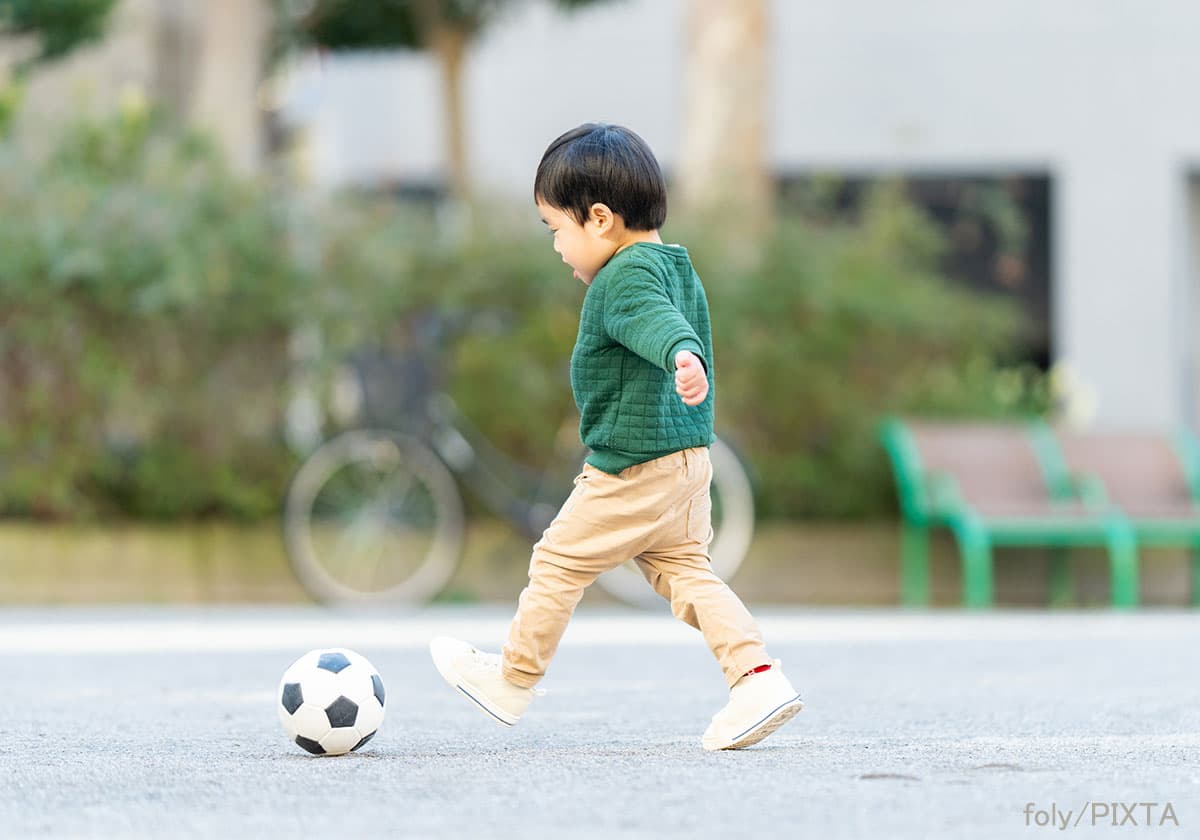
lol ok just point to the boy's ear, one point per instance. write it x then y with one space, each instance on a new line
601 216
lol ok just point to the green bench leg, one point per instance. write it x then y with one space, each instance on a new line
914 566
1060 585
976 552
1122 550
1196 576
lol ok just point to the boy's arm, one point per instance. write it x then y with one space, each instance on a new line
639 315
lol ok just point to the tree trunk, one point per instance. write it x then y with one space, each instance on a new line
723 169
233 38
450 46
176 48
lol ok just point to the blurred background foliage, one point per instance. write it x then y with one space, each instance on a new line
58 26
150 302
144 314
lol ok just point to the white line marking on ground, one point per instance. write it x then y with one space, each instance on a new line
67 632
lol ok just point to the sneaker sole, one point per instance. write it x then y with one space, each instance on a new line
766 726
467 690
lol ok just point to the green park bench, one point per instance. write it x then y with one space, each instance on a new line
996 485
1154 479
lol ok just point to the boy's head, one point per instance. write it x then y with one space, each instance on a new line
603 164
596 184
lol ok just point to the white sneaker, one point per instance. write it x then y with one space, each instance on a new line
478 676
758 705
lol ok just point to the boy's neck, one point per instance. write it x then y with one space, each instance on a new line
632 237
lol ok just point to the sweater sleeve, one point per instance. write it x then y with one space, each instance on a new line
639 315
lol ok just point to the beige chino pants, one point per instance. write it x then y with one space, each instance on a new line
658 513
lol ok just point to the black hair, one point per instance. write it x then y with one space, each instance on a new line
603 163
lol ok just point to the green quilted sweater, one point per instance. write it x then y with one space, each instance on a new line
642 308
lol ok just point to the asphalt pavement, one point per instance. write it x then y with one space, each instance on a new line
161 722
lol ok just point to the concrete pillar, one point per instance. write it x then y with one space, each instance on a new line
1191 313
1115 301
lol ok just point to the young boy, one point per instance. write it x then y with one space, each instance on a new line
641 374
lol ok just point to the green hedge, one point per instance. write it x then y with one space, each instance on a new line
150 304
144 315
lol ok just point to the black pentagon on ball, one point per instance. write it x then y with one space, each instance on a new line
333 661
342 712
363 741
310 745
292 697
378 683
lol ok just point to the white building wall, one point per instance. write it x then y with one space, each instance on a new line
1188 314
1098 93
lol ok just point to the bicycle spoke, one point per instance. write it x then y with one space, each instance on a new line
356 541
373 517
385 503
385 520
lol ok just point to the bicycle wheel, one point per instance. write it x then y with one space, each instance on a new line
733 529
373 516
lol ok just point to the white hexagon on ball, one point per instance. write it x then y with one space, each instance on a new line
331 701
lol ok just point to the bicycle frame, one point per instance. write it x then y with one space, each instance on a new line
404 391
528 498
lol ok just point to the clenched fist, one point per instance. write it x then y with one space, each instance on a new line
691 382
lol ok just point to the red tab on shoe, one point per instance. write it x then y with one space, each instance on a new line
757 670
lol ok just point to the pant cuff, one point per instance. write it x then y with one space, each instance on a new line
519 678
746 666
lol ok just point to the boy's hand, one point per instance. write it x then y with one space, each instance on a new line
691 382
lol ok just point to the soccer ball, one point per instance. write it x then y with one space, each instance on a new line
331 701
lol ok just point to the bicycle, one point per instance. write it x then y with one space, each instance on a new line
375 514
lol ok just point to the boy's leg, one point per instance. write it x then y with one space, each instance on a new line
606 521
679 568
701 599
761 699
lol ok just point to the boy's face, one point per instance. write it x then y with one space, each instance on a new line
587 247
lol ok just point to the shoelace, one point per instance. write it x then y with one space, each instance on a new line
492 663
489 661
